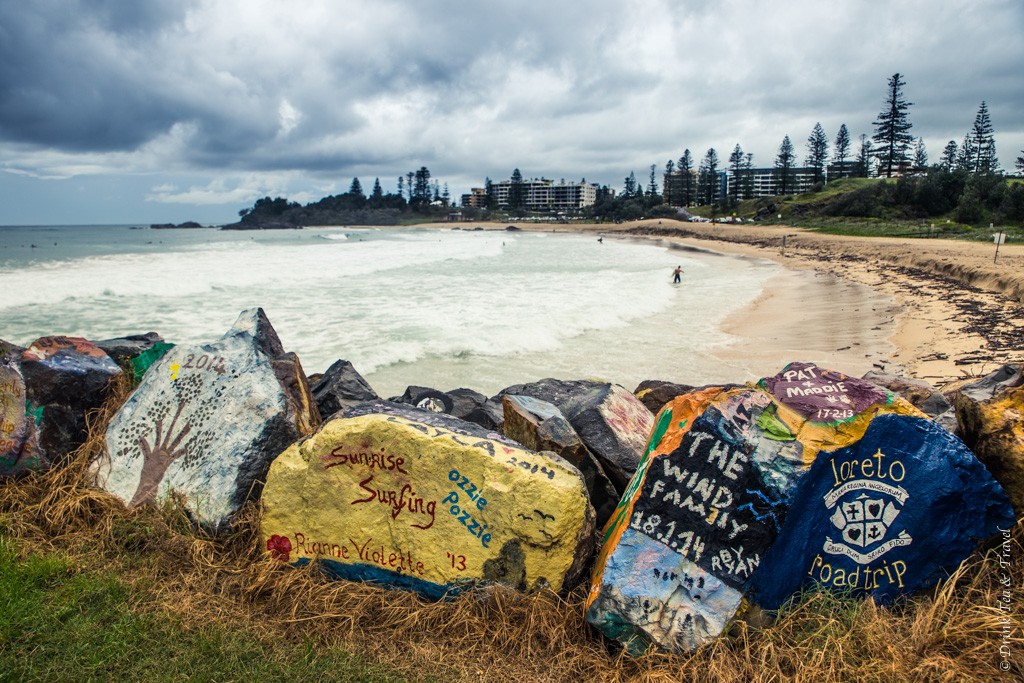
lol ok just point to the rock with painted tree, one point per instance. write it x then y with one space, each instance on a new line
206 421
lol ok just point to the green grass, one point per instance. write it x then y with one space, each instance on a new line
60 625
836 187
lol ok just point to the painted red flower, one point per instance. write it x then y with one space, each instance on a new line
280 547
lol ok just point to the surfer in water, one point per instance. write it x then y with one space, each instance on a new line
677 274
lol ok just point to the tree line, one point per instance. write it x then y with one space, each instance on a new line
416 193
967 177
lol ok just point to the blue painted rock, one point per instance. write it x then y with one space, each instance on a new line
65 378
206 421
423 501
891 514
540 426
990 412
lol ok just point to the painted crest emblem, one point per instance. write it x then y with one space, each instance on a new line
863 513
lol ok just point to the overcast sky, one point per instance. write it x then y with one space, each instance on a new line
120 111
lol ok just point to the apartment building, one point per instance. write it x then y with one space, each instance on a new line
545 195
759 182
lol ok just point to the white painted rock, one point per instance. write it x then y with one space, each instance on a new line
206 422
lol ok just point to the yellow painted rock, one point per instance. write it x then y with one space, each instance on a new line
991 416
426 502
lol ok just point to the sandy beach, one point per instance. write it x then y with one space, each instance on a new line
932 309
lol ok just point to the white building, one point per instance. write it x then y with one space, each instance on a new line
547 195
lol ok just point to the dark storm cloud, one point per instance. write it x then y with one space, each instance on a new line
323 91
71 74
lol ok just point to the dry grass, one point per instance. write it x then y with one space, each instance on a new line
954 634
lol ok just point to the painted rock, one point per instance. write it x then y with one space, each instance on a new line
695 522
19 436
556 391
920 394
9 352
828 409
990 412
65 378
540 426
425 398
614 425
709 498
893 513
206 421
123 349
340 387
426 502
655 393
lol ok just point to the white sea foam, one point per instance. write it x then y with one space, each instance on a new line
405 307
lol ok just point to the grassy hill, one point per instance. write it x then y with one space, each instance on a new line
941 204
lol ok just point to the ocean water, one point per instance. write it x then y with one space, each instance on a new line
439 307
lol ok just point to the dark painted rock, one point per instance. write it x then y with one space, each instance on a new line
428 417
695 522
655 393
614 425
920 394
423 501
19 436
65 378
990 412
124 349
540 426
340 387
9 352
205 423
891 514
472 406
556 391
426 398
